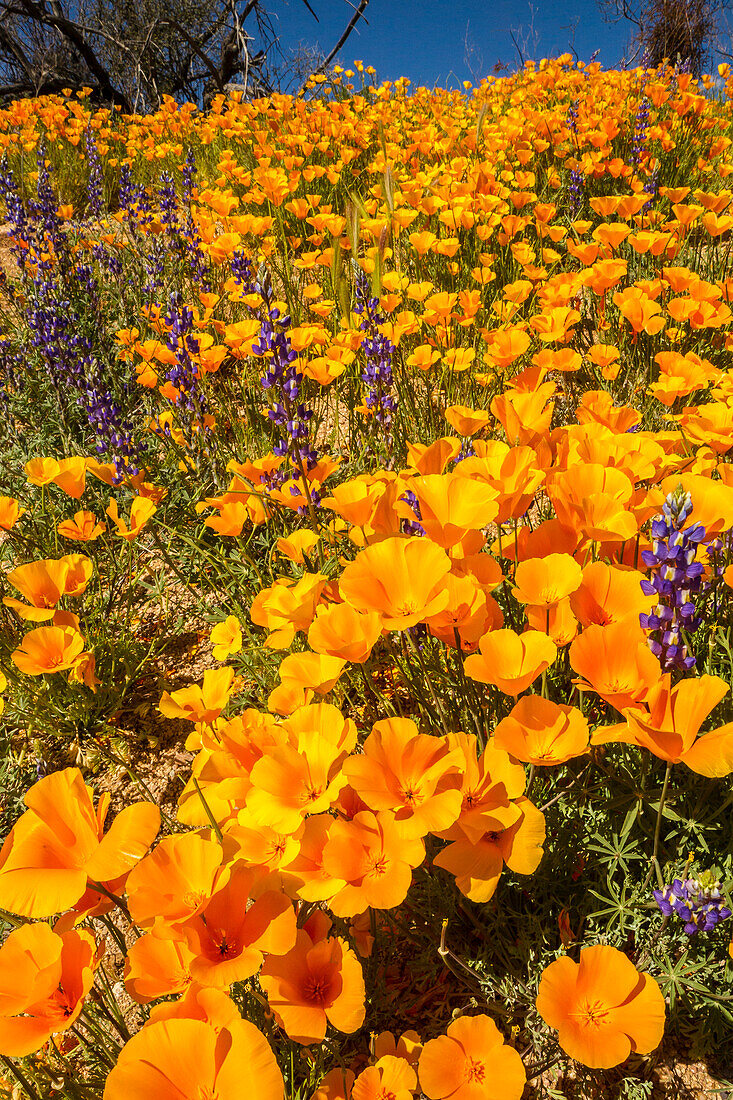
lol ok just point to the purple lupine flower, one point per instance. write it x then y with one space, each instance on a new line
675 579
575 187
698 902
56 331
11 375
169 206
95 183
134 201
412 527
282 380
14 206
184 373
188 175
198 260
378 351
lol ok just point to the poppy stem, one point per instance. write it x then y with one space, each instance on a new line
452 961
207 810
535 1071
115 933
469 690
433 694
309 505
20 1078
657 833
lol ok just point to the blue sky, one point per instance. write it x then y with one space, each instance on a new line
426 39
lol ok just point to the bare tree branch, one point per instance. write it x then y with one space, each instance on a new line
358 14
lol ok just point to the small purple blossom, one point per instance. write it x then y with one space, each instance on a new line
675 579
378 351
698 902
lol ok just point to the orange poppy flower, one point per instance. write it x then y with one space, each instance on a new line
408 1046
609 594
44 978
470 613
303 776
84 527
451 505
615 662
593 499
318 982
157 967
514 835
57 848
543 733
544 582
141 510
466 421
471 1062
298 545
259 845
41 471
340 631
311 671
355 500
487 781
511 661
228 751
390 1079
306 870
231 932
670 721
434 459
287 607
10 513
187 1058
602 1007
336 1085
515 476
175 880
524 416
370 862
43 583
557 621
226 638
200 702
401 579
71 476
416 775
288 697
48 649
199 1002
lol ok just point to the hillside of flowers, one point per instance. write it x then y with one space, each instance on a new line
372 448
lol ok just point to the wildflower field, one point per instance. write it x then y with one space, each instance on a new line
366 635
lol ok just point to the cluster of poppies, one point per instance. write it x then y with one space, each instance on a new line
214 907
455 449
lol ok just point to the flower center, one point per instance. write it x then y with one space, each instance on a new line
475 1071
225 950
193 899
316 989
592 1014
378 865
